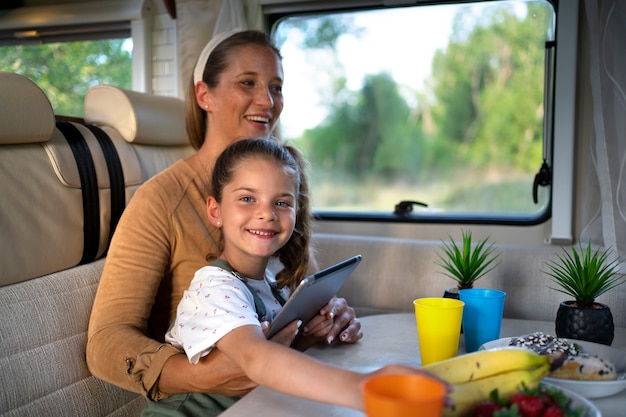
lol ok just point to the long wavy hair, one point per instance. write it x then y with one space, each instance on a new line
294 255
217 62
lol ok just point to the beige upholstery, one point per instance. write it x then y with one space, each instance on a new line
396 271
26 115
45 298
41 217
42 213
43 333
42 209
139 118
154 125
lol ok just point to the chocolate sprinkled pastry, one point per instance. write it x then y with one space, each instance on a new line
575 365
545 344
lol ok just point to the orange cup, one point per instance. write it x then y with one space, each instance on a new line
406 395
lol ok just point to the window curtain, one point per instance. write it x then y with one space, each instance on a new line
198 20
603 187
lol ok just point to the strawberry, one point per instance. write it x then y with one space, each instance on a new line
528 405
486 409
552 411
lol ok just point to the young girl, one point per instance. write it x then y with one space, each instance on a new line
260 201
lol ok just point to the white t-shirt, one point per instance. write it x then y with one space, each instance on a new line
215 303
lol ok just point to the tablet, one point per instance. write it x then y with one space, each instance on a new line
313 293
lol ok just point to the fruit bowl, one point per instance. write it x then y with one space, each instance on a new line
577 400
588 389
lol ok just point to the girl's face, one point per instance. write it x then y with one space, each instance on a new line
257 213
248 98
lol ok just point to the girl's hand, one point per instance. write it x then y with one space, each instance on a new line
403 369
286 335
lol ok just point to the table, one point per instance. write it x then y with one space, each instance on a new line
389 338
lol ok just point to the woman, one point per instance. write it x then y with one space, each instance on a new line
164 236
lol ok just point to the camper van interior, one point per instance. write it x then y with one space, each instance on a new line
422 121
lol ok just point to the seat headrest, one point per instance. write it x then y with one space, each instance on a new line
26 115
140 118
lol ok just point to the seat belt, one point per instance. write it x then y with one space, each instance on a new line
89 186
116 177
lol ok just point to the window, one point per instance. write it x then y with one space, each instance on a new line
66 70
442 105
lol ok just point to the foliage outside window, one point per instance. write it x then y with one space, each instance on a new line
388 108
66 70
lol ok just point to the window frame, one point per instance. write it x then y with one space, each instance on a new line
99 20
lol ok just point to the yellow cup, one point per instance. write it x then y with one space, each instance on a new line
407 395
438 327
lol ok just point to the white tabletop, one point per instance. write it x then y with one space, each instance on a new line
390 338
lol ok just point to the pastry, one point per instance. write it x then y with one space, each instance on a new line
585 367
545 344
576 365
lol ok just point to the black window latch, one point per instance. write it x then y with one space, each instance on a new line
543 178
405 207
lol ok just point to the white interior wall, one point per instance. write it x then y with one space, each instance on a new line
164 63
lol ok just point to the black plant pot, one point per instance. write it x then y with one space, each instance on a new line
452 292
593 324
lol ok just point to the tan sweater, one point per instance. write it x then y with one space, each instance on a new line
163 237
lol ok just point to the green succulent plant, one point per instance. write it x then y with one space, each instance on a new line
468 262
585 275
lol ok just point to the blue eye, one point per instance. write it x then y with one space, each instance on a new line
283 204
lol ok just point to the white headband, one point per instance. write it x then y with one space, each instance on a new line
198 70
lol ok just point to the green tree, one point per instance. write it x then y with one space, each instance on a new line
489 88
487 108
367 133
482 113
66 70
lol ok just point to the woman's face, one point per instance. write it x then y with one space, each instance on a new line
248 98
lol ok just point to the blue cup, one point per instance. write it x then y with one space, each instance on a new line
482 316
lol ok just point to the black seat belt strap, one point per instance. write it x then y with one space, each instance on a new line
116 176
89 186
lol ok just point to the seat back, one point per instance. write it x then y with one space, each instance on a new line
64 185
41 214
154 126
56 213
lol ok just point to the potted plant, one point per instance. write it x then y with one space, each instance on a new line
467 262
585 276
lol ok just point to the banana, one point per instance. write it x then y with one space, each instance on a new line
485 363
467 395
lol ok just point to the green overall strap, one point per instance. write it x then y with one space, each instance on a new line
259 306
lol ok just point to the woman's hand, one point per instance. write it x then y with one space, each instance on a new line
335 320
215 373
